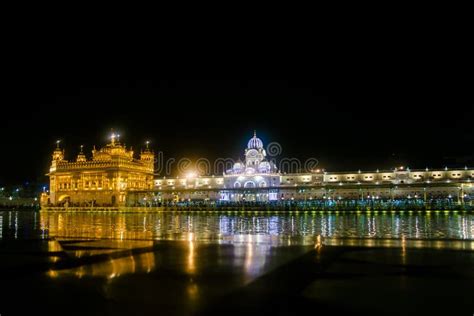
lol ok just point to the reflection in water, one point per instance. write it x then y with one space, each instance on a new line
403 243
191 267
113 245
300 228
110 269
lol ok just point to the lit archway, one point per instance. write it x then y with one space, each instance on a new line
249 184
64 198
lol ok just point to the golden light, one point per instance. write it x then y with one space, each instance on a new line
318 243
191 174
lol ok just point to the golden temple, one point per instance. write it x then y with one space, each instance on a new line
103 180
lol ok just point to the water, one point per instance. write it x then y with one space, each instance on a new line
183 262
299 227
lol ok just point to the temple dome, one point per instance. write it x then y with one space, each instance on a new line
238 166
255 142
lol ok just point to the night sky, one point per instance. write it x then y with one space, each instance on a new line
350 126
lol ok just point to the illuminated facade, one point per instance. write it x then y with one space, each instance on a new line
104 180
114 177
257 179
254 172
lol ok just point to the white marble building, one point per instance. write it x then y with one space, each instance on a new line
258 179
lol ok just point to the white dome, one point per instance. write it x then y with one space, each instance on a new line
255 142
264 166
238 166
249 170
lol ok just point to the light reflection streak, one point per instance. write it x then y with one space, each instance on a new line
318 245
404 251
16 225
110 269
191 265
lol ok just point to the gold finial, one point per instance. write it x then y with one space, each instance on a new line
254 133
147 144
82 147
115 138
112 138
57 143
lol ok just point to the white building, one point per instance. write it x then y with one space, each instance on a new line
254 172
258 179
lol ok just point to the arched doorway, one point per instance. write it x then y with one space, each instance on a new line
250 194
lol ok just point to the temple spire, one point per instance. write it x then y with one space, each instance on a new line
114 137
58 154
81 157
254 133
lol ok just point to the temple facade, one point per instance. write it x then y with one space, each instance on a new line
104 179
113 176
257 179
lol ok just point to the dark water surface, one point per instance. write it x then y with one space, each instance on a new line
234 263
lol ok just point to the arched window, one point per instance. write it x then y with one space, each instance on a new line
249 184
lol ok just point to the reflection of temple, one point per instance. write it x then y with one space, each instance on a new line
103 180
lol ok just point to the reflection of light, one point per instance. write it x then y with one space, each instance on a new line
249 254
16 225
112 268
318 244
80 272
52 273
192 290
404 250
191 265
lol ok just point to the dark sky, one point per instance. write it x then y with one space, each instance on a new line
346 126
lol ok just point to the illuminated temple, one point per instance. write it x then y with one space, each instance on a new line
114 177
258 179
105 179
